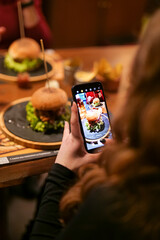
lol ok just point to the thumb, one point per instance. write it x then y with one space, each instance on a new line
66 131
92 158
75 128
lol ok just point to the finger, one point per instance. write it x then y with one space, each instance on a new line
2 30
66 131
75 128
93 157
108 141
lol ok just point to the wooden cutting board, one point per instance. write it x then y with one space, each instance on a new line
14 124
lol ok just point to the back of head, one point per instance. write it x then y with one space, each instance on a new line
146 69
135 156
139 122
133 159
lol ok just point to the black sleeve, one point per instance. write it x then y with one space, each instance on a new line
90 223
46 224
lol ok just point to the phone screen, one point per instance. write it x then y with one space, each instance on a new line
93 114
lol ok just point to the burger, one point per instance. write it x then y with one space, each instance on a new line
96 102
23 55
47 110
94 121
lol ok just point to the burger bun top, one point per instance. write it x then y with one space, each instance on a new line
92 115
48 99
24 48
96 100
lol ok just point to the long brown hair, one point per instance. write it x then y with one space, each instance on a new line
136 149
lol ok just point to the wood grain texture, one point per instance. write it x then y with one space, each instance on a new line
14 174
19 140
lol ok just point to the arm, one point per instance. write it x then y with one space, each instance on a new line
90 223
2 31
47 224
30 14
35 23
87 224
71 156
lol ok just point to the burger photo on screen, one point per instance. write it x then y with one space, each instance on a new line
96 102
23 55
48 109
94 121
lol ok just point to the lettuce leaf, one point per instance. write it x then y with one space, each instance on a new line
37 125
95 127
25 65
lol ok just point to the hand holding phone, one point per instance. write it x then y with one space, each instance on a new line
72 153
93 115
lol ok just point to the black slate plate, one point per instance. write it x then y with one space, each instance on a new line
37 74
16 123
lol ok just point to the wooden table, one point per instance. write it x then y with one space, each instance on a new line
15 173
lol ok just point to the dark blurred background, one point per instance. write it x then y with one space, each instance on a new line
79 23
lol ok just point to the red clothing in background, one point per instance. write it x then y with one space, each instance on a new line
9 19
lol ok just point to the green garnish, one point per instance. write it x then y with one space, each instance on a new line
24 66
40 126
94 127
95 104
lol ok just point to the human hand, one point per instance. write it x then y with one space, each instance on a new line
72 153
30 13
25 1
2 31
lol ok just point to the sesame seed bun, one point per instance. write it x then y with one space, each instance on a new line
48 99
24 48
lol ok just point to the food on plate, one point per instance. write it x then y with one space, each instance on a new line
47 110
94 121
96 102
72 62
108 75
84 76
104 69
89 99
23 55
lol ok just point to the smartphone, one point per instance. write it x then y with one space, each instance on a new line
93 115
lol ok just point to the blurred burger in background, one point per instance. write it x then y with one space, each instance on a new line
47 110
94 121
23 55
